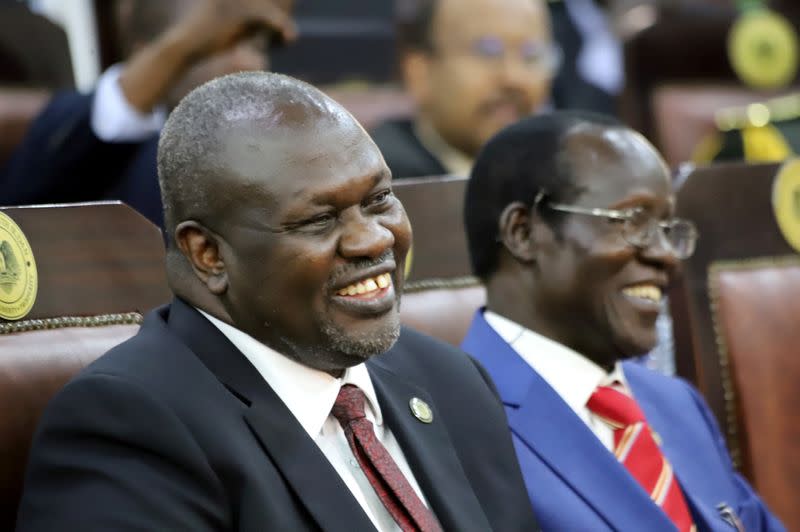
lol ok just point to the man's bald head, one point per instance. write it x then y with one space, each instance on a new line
227 125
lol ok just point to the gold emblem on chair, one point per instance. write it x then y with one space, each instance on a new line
786 201
18 278
763 49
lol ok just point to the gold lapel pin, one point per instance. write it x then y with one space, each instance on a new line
421 410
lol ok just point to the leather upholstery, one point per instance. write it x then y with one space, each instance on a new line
756 306
34 366
100 267
440 297
444 313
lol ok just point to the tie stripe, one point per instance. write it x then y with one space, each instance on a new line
637 450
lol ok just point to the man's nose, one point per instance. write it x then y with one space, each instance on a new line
660 251
517 74
364 236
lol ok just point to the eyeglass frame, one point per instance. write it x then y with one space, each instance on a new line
622 215
553 52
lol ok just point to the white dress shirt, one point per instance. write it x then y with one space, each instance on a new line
573 376
600 61
114 119
309 395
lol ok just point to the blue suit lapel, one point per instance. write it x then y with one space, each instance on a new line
552 431
650 402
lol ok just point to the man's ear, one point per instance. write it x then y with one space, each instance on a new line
517 232
201 248
415 68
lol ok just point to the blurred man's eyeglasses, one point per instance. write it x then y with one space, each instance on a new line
541 57
637 226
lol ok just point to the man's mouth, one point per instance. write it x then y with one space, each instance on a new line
367 297
645 291
369 287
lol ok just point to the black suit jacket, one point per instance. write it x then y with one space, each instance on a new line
175 430
570 90
404 153
61 160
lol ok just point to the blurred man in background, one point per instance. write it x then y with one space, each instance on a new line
472 67
103 145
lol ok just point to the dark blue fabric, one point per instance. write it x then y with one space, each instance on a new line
62 161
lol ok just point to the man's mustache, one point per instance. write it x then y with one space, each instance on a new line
347 270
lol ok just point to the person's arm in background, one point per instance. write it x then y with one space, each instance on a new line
80 143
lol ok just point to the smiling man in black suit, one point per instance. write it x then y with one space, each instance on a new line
274 393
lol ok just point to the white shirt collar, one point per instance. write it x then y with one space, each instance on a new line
308 393
573 376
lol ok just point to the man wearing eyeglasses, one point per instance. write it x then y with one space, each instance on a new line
569 220
472 67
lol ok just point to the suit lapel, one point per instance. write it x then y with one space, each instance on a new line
429 451
552 431
705 516
306 469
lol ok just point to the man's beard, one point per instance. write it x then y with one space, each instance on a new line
362 346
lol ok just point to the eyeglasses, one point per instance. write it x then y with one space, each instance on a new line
537 56
638 227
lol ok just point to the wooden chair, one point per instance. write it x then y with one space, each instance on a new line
441 295
100 267
735 325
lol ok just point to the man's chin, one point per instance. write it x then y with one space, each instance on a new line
637 345
359 344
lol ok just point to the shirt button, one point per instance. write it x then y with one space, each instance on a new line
353 463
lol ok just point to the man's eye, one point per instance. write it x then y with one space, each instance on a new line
320 222
381 197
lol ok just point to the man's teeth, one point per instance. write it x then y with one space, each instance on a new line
644 291
367 285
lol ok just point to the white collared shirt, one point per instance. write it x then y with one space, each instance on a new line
573 376
309 395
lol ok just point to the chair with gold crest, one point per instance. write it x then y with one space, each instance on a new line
74 281
735 307
696 61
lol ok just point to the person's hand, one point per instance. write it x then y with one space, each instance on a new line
215 25
207 29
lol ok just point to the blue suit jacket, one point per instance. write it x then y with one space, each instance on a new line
61 160
574 483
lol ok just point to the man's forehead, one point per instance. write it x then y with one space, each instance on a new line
477 17
604 158
288 160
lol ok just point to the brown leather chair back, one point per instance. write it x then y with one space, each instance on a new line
755 306
441 296
99 266
731 204
34 61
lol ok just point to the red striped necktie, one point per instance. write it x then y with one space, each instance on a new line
389 483
636 448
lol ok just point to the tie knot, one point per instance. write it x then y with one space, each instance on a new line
349 404
615 406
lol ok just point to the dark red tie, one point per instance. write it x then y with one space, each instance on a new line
636 448
387 480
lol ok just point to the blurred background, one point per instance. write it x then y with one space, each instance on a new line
706 81
661 65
